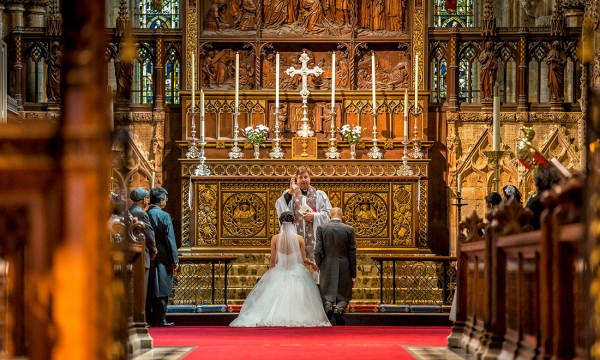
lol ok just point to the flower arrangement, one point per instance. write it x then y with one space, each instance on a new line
256 136
351 135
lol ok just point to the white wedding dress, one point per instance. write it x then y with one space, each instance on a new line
286 295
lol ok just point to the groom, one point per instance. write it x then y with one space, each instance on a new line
335 255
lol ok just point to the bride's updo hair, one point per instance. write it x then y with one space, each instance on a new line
286 216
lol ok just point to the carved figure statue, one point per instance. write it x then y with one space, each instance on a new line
54 62
342 68
293 7
311 15
275 13
489 69
235 10
556 61
395 14
342 11
215 17
397 78
124 71
364 72
208 70
247 15
268 71
221 66
378 15
246 76
365 18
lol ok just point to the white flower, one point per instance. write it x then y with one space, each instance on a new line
249 128
357 129
263 128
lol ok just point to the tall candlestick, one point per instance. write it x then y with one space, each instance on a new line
406 115
237 79
496 119
458 183
193 83
277 81
201 116
416 84
333 82
373 81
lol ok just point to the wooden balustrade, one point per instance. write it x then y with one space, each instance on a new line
128 283
519 291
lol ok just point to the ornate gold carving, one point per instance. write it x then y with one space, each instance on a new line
220 145
367 213
191 45
422 188
185 213
419 41
402 215
206 219
244 214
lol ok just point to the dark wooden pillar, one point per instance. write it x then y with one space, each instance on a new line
159 76
452 77
19 73
522 74
82 271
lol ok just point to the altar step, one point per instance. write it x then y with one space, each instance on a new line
356 319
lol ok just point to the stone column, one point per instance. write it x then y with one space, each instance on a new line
34 13
16 9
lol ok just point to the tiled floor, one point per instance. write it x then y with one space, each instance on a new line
436 353
163 353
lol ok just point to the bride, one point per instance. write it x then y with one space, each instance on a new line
286 295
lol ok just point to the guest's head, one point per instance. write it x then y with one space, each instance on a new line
493 199
303 177
158 196
140 197
546 178
336 213
286 217
117 205
511 191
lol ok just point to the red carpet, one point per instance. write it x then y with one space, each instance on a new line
348 342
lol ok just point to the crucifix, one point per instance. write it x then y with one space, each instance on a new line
305 130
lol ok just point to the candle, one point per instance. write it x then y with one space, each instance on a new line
153 176
193 84
277 82
201 116
237 79
373 81
458 183
406 115
496 119
333 82
416 85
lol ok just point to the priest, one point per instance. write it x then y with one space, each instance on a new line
310 208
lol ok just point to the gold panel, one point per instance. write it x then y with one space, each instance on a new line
304 148
402 215
243 215
206 219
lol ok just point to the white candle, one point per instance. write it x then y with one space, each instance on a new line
277 82
333 82
373 81
496 119
237 79
201 116
458 183
153 176
416 84
193 84
406 115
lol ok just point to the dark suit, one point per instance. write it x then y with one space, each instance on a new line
142 216
335 255
161 270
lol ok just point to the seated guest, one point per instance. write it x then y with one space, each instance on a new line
545 179
511 191
492 200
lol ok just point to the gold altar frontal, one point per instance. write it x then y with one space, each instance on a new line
232 212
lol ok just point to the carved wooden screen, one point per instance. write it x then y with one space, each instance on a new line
36 53
507 70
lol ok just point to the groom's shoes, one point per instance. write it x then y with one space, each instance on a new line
329 314
339 319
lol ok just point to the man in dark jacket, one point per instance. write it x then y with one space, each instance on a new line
141 198
166 262
335 254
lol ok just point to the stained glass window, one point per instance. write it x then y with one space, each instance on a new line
154 14
453 13
172 68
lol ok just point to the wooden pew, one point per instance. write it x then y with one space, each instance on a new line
470 285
